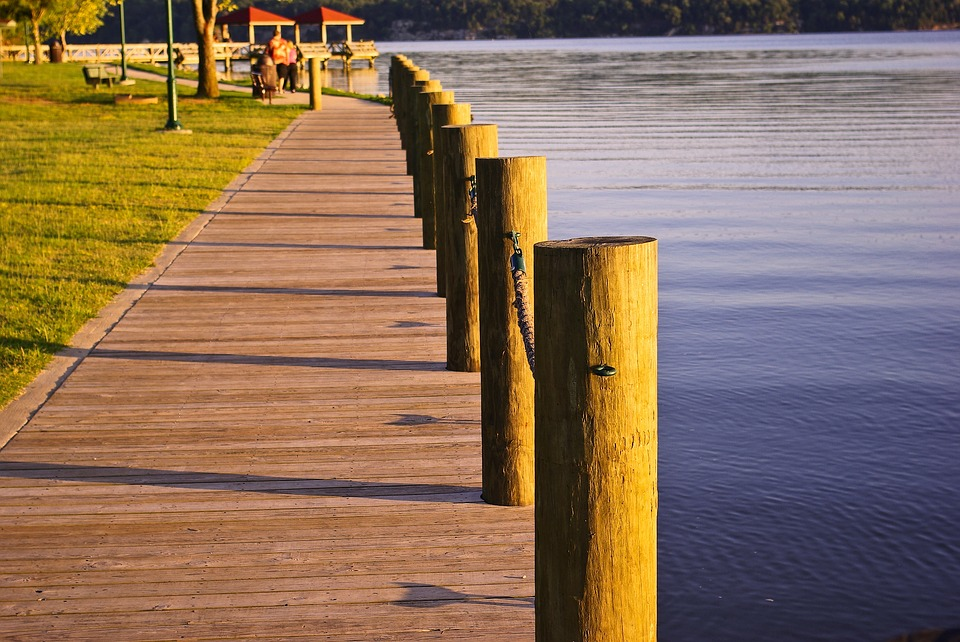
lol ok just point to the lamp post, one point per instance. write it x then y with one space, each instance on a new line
123 46
172 123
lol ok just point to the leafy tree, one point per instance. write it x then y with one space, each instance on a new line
56 18
36 12
76 17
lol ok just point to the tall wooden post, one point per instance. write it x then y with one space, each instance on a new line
443 115
424 199
397 62
400 107
596 432
462 145
420 78
400 80
404 80
415 151
512 198
420 87
316 86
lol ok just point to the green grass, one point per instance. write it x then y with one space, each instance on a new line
90 192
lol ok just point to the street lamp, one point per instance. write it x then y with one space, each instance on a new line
172 123
123 46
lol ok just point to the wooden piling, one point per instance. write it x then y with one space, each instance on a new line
400 109
414 152
316 85
424 195
400 80
397 61
461 146
512 197
443 116
420 78
596 433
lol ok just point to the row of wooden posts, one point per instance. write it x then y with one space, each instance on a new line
591 408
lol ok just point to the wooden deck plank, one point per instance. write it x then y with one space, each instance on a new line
457 618
267 444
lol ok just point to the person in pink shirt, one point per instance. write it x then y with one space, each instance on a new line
293 71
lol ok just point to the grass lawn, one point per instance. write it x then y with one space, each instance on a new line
90 192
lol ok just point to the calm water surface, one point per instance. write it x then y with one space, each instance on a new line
806 194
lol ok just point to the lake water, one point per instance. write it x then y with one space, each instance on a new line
805 191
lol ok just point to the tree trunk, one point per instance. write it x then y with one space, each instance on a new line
35 19
205 17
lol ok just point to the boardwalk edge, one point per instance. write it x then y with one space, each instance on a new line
22 409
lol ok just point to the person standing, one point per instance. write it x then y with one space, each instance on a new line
293 69
277 50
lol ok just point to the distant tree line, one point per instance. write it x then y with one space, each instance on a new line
453 19
396 19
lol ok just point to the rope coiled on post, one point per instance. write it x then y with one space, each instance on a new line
521 300
524 317
472 195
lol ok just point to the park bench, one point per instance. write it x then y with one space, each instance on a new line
97 75
264 86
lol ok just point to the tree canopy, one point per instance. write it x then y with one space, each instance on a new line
56 18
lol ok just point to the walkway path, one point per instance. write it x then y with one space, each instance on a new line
267 444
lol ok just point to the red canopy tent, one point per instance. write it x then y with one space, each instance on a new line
254 17
327 17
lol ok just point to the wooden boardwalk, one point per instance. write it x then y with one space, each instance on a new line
267 443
